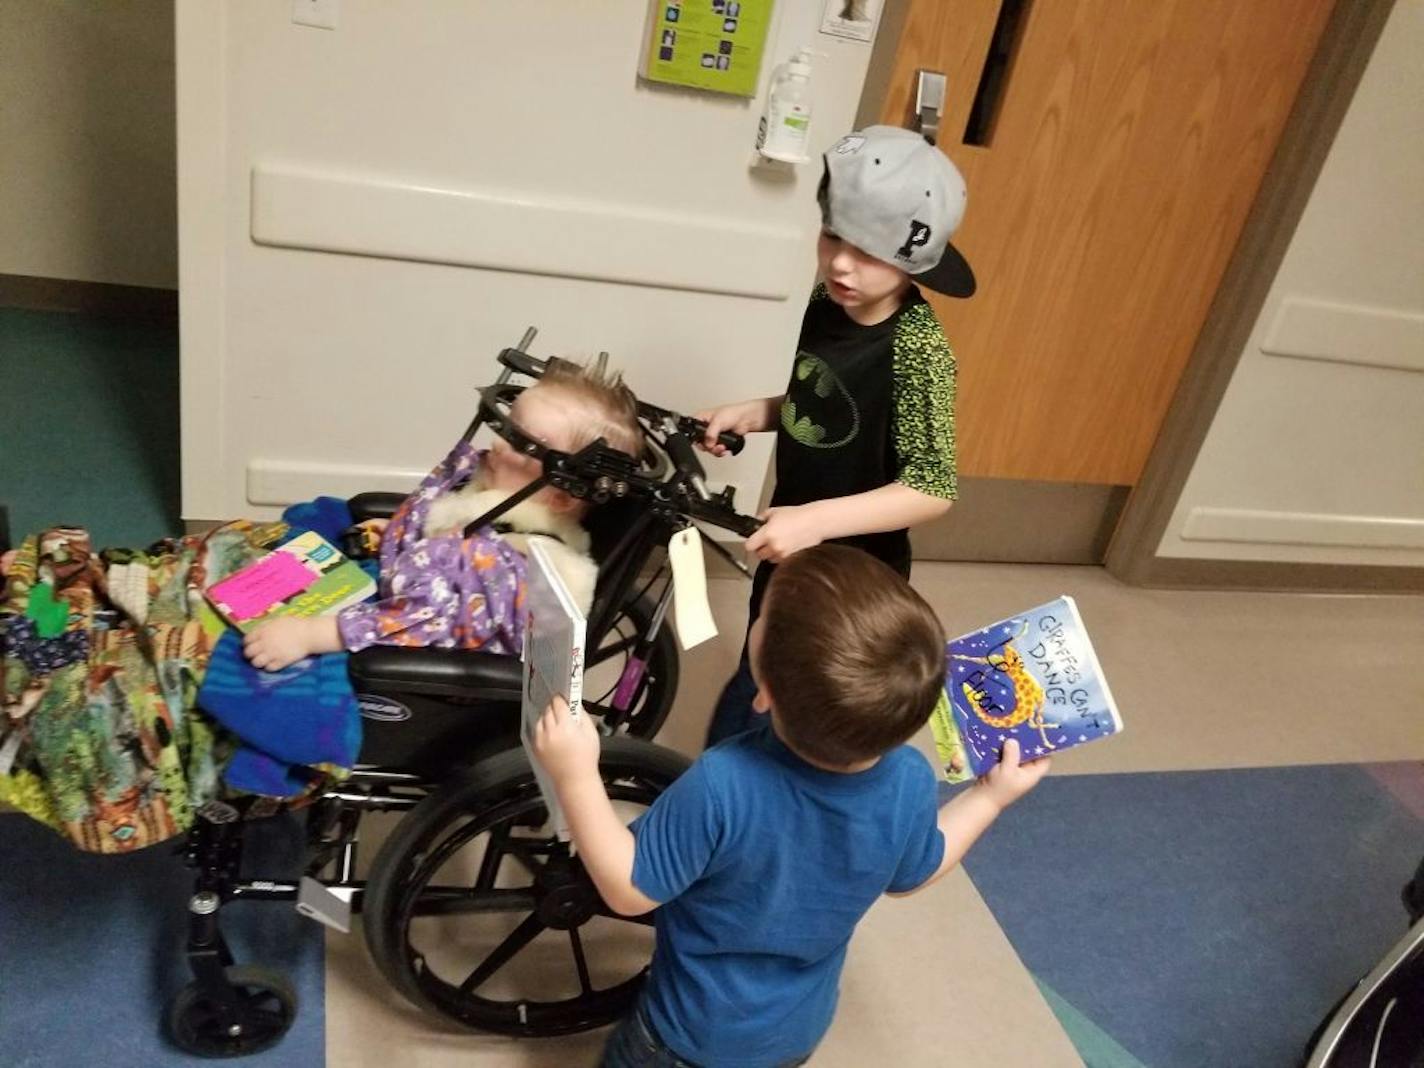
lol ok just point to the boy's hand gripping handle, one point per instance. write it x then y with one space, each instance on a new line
697 430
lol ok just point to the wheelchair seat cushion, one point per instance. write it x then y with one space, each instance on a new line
443 672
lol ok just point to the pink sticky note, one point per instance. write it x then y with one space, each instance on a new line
270 581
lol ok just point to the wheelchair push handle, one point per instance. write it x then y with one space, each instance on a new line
694 430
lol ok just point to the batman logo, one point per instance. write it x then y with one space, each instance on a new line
819 411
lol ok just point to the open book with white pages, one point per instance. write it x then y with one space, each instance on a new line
553 661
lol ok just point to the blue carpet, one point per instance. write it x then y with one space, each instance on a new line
93 948
1201 918
89 425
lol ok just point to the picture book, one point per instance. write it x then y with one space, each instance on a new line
553 661
307 576
1033 677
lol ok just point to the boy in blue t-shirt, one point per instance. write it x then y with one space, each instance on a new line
763 857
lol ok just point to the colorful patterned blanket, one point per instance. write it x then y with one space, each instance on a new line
102 656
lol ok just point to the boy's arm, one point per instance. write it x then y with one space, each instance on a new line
925 398
603 840
926 479
568 748
676 838
893 507
971 813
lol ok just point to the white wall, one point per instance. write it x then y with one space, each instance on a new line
1317 451
87 156
368 214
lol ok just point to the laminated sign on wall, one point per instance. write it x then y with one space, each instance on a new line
854 19
708 44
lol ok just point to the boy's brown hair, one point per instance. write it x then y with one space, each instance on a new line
851 656
608 408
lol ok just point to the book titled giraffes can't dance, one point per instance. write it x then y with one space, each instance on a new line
1033 677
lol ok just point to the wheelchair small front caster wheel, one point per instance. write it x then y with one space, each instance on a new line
202 1024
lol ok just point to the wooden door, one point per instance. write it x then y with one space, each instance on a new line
1116 170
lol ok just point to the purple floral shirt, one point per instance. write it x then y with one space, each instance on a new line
447 590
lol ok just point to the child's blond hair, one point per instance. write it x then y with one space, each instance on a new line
607 407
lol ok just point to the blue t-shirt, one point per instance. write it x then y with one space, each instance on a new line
764 865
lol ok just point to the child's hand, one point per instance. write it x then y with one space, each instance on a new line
283 641
785 531
1008 780
747 417
566 745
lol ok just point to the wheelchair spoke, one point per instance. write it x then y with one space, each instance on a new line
584 981
455 900
527 852
494 853
598 708
203 1017
607 652
267 1019
522 935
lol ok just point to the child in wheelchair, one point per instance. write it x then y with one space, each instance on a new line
441 588
70 625
763 857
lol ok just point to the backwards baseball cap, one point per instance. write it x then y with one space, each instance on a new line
895 196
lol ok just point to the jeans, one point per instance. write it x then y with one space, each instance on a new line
634 1044
733 713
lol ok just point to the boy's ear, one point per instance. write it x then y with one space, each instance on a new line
761 701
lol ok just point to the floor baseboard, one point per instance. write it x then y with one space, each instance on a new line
90 298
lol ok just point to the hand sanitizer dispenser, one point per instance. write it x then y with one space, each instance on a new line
785 128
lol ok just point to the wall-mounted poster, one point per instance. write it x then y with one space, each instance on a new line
855 19
709 44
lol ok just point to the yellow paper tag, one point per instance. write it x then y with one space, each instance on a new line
691 609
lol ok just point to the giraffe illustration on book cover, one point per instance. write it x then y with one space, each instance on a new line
1033 677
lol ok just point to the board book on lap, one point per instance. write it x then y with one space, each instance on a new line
1033 677
553 662
306 576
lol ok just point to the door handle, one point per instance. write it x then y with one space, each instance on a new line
929 103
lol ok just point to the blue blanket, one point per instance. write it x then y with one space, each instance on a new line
297 723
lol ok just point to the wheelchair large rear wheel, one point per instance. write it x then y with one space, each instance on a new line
653 699
475 911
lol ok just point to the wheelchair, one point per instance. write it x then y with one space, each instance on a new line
471 852
1379 1023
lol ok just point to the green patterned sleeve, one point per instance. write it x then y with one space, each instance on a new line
924 405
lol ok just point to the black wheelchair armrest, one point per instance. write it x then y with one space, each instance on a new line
464 673
374 505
